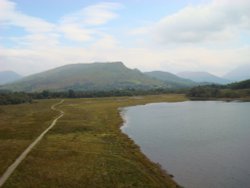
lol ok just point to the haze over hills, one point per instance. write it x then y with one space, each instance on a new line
171 78
9 76
203 77
238 74
108 76
86 77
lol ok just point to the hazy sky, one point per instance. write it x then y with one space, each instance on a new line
176 35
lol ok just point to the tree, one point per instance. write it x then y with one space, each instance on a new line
71 93
45 94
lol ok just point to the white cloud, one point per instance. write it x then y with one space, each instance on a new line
43 47
6 7
37 41
97 14
76 33
9 16
28 61
181 59
100 13
77 26
218 21
105 42
39 34
82 25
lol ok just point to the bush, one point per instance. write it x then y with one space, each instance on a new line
14 98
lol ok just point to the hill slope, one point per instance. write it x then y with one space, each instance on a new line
239 74
171 78
8 76
234 90
86 77
202 77
245 84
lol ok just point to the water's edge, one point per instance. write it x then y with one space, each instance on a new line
180 135
125 120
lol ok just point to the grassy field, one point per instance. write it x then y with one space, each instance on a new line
85 149
19 125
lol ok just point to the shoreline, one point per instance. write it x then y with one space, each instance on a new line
124 123
135 135
220 99
164 172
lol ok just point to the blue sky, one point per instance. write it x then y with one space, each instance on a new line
149 35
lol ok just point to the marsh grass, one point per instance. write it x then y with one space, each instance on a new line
19 125
87 149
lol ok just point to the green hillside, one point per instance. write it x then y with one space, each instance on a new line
245 84
234 90
171 79
87 77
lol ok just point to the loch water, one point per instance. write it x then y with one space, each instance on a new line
202 143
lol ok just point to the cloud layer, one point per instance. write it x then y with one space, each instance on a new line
217 21
213 36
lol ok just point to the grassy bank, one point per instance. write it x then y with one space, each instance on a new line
87 149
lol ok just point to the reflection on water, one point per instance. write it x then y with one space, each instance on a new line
203 144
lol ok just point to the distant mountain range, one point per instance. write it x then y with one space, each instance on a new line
171 78
108 76
238 74
8 77
203 77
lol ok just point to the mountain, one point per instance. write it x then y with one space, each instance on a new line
86 77
238 74
171 78
203 77
8 76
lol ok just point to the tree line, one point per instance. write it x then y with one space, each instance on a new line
14 98
8 97
234 90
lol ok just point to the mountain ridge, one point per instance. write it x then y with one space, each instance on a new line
202 77
8 77
102 76
239 73
83 76
171 78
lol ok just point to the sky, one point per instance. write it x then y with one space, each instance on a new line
168 35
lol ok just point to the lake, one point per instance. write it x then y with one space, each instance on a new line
202 143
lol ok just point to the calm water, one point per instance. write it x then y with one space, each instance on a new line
203 144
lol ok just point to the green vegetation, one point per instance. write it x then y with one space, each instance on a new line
85 149
14 98
93 94
240 85
19 125
235 90
8 97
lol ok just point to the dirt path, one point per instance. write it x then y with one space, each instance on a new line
14 165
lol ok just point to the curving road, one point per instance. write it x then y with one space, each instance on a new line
18 160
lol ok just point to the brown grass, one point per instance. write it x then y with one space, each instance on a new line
19 125
87 149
